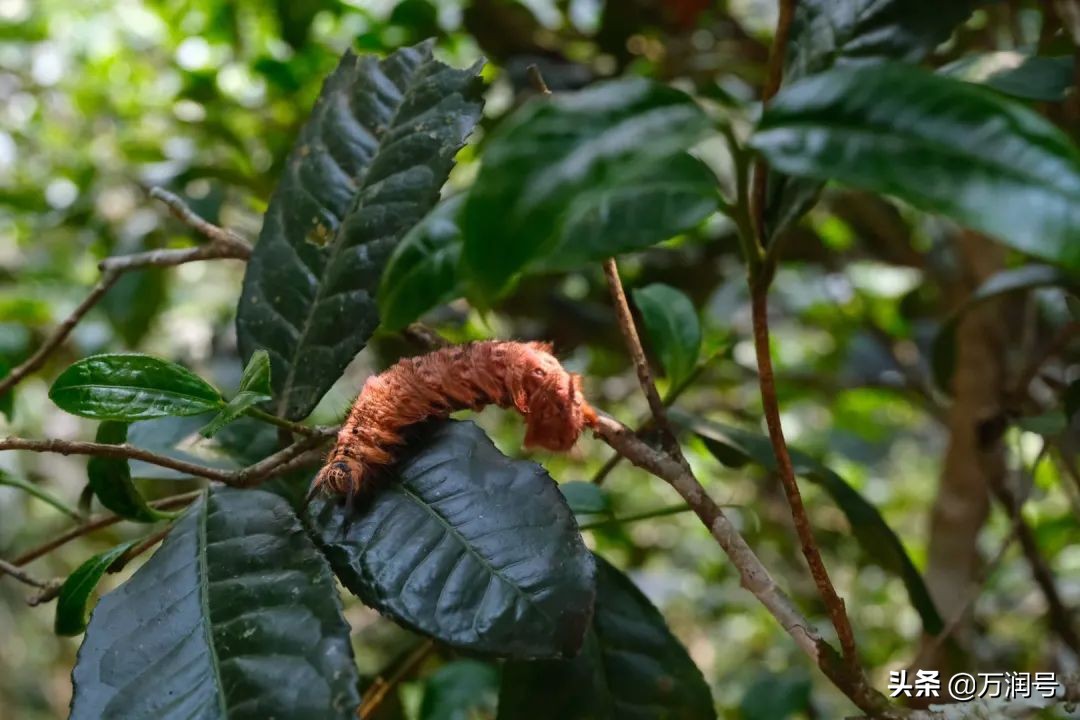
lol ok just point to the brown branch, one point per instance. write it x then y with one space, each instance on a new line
22 576
376 694
224 244
754 576
641 363
97 523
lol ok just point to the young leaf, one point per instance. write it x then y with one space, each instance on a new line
71 603
735 447
466 545
673 328
630 667
423 271
825 33
578 155
129 387
461 690
110 479
254 389
940 144
1025 277
235 616
368 165
1029 77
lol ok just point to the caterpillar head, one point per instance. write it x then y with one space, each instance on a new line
549 397
342 475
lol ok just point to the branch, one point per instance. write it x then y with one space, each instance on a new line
22 576
224 244
641 364
379 689
755 577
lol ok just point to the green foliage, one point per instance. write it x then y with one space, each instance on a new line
906 132
7 399
1029 77
461 690
110 479
254 389
71 603
630 666
237 616
474 548
368 165
131 387
36 491
565 177
673 328
585 498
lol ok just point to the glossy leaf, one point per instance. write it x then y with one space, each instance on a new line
1029 77
368 165
630 668
672 325
825 33
735 447
254 389
940 144
129 387
1025 277
110 479
554 171
461 690
423 271
71 603
235 616
468 546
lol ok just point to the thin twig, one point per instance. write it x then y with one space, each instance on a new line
189 217
22 576
293 427
381 688
641 363
636 517
97 523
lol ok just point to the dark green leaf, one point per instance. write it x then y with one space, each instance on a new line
469 546
585 498
71 603
1026 277
1072 399
630 667
368 165
130 387
254 389
135 301
423 271
36 491
825 33
1048 424
776 697
178 438
940 144
578 156
7 399
235 616
461 690
110 479
1030 77
673 328
735 447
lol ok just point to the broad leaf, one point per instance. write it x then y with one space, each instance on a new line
735 447
555 170
110 479
630 668
368 165
71 603
468 546
129 387
235 616
461 690
1026 277
423 271
673 328
1030 77
254 389
940 144
825 33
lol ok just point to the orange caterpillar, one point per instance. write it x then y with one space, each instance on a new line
524 376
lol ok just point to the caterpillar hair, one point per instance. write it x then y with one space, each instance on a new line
524 376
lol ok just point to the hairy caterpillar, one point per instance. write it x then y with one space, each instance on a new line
524 376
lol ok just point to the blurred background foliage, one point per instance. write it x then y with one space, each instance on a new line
101 100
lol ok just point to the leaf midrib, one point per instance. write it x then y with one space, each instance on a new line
138 388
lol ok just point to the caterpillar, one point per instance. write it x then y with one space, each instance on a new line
524 376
